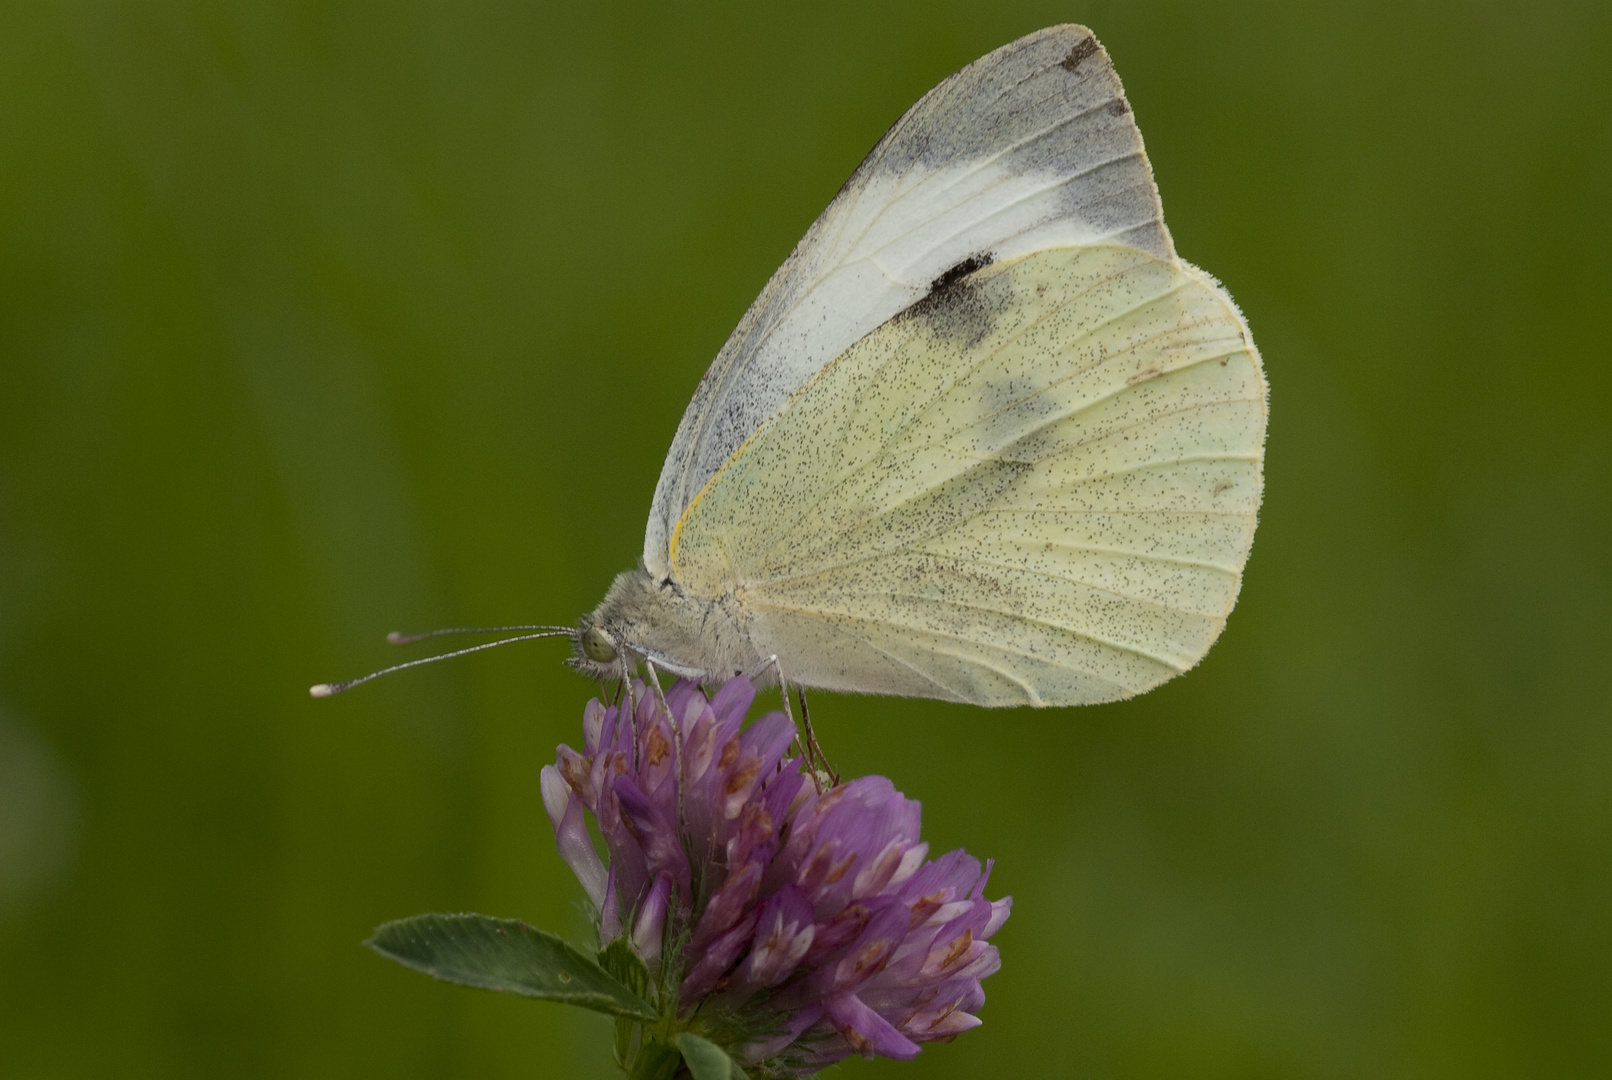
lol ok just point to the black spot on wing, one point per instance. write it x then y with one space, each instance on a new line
953 288
1084 49
957 307
957 273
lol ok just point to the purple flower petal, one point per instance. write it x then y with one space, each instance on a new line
841 930
797 1024
733 700
851 828
939 1023
866 1031
754 840
571 833
578 774
726 906
719 955
899 1001
1000 910
655 834
657 761
650 929
593 718
784 932
610 912
868 954
758 752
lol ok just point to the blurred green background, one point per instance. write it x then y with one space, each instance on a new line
320 320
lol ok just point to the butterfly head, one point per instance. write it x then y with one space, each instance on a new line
647 619
610 640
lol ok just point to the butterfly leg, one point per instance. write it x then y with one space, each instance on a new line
624 699
652 674
822 776
811 739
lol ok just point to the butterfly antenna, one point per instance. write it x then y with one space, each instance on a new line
395 638
324 690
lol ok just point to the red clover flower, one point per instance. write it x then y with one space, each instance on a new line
788 926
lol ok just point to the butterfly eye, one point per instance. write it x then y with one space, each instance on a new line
597 646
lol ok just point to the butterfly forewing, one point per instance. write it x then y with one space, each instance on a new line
1030 147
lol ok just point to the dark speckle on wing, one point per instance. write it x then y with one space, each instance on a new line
1087 47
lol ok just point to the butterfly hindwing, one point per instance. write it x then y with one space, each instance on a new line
1036 486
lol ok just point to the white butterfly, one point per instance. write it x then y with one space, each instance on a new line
982 437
